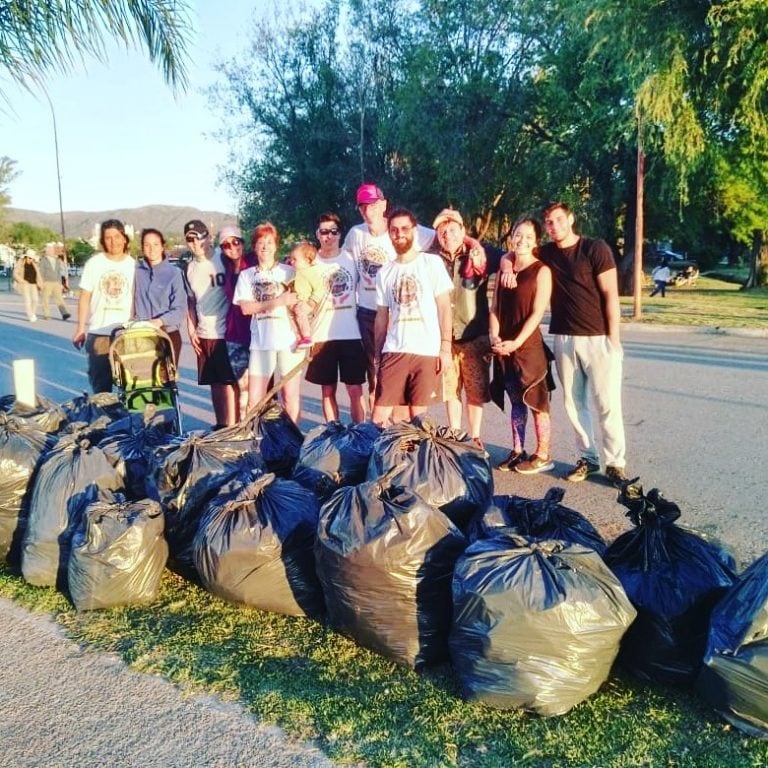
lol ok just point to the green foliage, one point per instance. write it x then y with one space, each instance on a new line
23 235
8 173
40 37
78 251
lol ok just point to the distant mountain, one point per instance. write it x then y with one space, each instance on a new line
169 219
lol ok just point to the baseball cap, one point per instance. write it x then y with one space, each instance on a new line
196 228
368 193
227 232
447 214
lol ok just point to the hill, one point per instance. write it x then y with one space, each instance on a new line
169 219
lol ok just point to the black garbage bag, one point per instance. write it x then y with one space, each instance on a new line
335 454
22 446
185 476
73 474
90 407
255 545
441 464
674 577
118 553
133 442
385 559
543 518
46 415
734 677
537 624
277 438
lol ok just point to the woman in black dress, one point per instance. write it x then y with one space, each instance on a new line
522 294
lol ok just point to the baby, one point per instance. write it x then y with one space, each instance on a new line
309 288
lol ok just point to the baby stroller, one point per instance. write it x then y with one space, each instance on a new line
144 371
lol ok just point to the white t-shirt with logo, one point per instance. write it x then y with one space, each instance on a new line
271 330
336 317
372 252
110 283
409 291
205 278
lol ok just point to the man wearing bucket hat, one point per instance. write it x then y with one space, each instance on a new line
467 266
371 248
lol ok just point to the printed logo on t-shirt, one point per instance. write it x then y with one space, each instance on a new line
113 286
264 290
374 257
407 293
339 285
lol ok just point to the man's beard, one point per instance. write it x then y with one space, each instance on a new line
403 245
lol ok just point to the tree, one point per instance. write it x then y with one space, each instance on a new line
23 235
37 38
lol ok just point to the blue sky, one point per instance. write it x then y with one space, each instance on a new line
125 140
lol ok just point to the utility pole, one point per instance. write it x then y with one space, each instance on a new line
58 173
639 223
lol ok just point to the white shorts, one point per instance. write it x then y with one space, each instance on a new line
265 362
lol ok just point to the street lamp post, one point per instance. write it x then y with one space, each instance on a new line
58 173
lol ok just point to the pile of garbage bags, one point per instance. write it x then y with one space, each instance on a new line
393 537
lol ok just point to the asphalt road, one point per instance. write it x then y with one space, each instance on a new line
697 428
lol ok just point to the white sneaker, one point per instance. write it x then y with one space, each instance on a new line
33 319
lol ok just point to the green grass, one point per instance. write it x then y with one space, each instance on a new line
711 303
357 705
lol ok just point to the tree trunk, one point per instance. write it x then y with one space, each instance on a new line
758 261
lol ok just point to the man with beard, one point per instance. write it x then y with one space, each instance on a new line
413 323
370 247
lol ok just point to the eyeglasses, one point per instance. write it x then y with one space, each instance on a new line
235 241
333 231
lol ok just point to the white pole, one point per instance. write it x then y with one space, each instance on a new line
24 382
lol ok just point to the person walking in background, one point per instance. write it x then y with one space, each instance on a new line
159 293
467 267
413 324
207 310
585 321
661 276
520 298
370 246
262 293
105 302
26 280
52 270
337 352
237 334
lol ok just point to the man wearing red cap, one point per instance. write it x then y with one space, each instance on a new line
371 248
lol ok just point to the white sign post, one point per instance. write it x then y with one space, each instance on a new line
24 382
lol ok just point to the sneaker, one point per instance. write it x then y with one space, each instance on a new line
582 471
534 465
617 477
66 316
33 318
514 458
304 343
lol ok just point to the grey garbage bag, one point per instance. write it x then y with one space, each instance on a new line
186 475
441 464
255 545
71 475
385 559
90 407
46 415
22 446
734 677
335 454
537 624
118 553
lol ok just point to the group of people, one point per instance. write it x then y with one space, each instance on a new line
402 307
46 278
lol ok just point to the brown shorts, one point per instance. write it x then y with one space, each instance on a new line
365 320
406 379
470 371
213 363
338 360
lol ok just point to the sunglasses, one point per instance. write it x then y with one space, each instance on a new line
333 231
195 238
235 241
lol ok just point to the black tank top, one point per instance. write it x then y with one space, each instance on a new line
516 304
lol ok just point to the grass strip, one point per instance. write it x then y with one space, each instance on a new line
358 706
